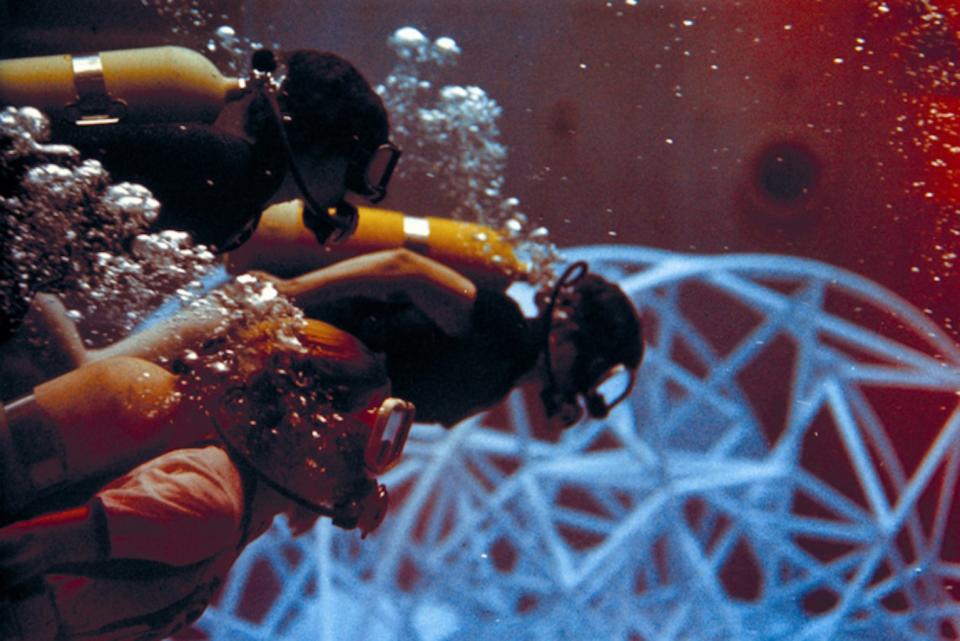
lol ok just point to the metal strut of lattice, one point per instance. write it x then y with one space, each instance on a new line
678 516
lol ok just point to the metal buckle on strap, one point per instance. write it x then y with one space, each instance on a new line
94 105
416 233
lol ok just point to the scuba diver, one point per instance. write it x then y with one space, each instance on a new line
128 491
214 150
582 349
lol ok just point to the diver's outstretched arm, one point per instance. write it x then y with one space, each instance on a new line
166 340
394 275
285 246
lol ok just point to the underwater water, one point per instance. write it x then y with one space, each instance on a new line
776 189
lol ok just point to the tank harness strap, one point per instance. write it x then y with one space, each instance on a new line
101 529
94 104
416 234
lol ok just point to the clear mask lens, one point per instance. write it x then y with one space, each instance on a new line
389 434
614 386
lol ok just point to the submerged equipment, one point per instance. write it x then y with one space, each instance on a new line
133 86
111 415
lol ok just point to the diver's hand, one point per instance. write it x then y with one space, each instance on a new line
394 275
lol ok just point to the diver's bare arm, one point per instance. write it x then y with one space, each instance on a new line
48 329
440 293
49 326
167 339
395 275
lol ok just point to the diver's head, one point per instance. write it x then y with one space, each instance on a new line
330 110
294 411
335 133
334 366
592 345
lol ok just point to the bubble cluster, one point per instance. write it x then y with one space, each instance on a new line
231 312
277 400
121 289
238 49
59 215
450 134
66 229
188 15
196 18
412 45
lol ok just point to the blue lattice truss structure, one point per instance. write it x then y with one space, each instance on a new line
785 469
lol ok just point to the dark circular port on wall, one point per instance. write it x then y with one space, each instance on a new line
786 172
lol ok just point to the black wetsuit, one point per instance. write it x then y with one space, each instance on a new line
210 183
446 378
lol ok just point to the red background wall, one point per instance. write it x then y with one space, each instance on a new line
650 123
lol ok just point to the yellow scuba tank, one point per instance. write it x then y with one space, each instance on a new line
148 85
284 246
99 418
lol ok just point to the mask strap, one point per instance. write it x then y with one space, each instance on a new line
315 217
377 192
571 275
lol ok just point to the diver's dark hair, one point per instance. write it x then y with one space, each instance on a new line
608 332
330 105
